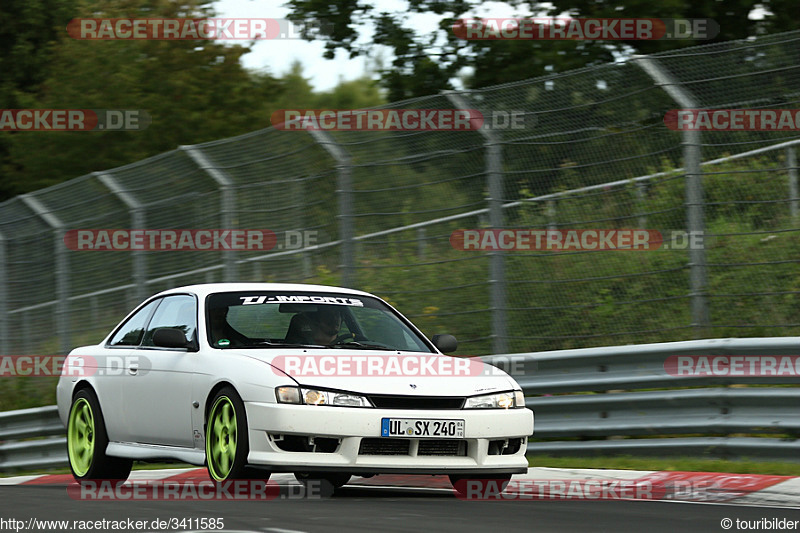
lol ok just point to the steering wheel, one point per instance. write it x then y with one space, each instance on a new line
345 338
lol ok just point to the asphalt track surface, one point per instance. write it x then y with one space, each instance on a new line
392 509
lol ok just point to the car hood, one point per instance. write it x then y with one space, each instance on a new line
384 372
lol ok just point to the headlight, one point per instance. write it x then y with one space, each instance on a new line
299 395
502 400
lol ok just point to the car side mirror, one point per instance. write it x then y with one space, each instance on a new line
170 338
445 343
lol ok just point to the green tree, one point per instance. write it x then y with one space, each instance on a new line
28 29
298 93
425 64
194 91
360 93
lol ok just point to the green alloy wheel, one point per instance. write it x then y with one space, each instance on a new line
80 437
226 437
87 441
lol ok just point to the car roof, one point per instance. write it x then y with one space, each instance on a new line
204 289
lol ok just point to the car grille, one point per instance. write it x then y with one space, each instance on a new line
386 401
449 447
440 447
384 447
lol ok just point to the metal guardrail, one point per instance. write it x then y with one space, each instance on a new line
48 449
636 366
598 396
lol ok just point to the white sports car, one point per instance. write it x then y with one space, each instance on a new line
250 379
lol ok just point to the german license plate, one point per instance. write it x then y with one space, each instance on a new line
422 427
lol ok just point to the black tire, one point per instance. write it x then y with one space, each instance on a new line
227 443
461 483
325 482
256 473
87 441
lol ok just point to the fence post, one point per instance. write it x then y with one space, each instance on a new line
227 202
4 343
641 196
695 218
25 329
61 268
552 212
497 279
791 163
136 210
344 189
94 314
695 223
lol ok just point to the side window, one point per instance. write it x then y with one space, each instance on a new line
179 312
130 333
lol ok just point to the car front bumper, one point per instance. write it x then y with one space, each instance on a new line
480 451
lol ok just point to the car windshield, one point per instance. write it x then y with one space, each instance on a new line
275 319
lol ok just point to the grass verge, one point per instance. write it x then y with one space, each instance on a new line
683 464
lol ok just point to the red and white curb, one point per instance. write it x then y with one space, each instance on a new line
543 484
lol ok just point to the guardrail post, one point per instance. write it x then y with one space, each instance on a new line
4 344
695 223
227 202
794 197
497 280
344 190
136 210
61 268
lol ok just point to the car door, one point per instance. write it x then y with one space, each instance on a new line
158 382
112 365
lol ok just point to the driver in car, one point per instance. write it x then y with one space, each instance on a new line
222 333
318 327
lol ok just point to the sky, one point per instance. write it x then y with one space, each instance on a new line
277 56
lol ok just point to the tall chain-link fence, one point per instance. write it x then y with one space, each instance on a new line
593 153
